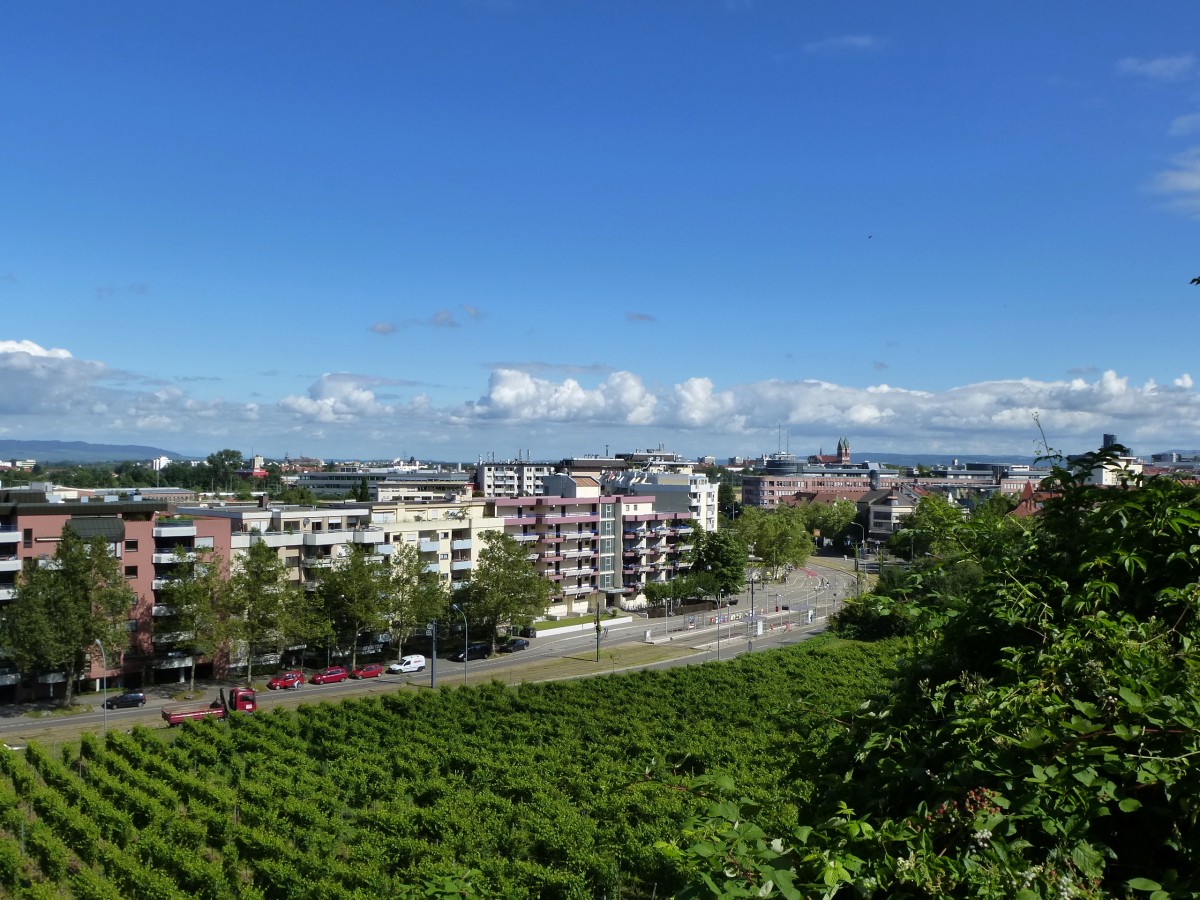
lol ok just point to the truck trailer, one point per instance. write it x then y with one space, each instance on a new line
239 700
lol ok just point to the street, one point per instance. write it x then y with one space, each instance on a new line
672 641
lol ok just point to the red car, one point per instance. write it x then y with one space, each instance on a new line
370 670
329 675
286 681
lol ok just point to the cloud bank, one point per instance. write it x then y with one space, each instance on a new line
47 393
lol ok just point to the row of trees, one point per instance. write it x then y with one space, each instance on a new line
61 610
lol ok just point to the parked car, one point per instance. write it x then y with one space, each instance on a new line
370 670
127 699
527 631
286 681
414 663
512 645
329 675
480 650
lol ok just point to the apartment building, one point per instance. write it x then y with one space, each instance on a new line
684 494
139 534
447 535
511 478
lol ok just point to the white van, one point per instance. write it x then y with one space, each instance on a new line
415 663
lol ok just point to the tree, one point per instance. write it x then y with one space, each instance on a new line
779 536
361 492
504 586
721 559
60 610
264 606
221 466
933 527
197 595
416 597
356 596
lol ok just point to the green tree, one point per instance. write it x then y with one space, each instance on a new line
779 536
720 559
197 593
220 466
504 585
417 596
265 608
356 595
60 610
933 527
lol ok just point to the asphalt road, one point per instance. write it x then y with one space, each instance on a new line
820 588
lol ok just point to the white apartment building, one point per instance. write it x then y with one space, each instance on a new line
512 478
690 494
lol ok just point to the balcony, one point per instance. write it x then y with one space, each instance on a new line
368 536
160 609
531 536
163 529
173 662
10 564
326 538
7 593
461 544
429 546
165 559
460 565
317 562
9 535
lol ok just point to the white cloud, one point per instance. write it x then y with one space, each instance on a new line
1181 183
50 394
31 349
1182 125
337 397
1162 68
846 43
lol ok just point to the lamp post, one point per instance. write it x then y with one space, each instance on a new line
857 574
753 621
104 662
466 638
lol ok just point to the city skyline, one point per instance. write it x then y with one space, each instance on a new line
493 227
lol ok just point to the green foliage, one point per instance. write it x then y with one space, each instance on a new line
720 560
265 607
197 593
355 596
1042 736
780 536
62 609
504 586
417 596
543 790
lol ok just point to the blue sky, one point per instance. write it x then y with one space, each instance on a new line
462 229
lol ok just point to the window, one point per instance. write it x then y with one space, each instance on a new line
131 625
204 543
131 571
131 545
27 538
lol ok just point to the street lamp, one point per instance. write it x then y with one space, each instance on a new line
466 638
104 662
857 574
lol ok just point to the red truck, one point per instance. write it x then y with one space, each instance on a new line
239 700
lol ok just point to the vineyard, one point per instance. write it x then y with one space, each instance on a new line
542 790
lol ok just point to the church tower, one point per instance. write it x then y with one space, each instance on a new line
843 452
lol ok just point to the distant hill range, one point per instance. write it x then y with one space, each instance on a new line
46 452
